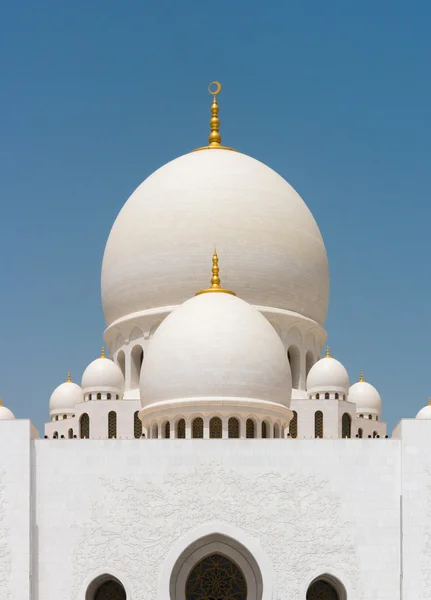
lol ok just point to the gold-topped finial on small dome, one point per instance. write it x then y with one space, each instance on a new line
361 377
328 354
214 138
68 377
429 401
103 352
1 402
215 279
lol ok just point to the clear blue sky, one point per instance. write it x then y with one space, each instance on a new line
333 95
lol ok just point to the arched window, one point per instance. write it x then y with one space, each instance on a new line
137 425
216 576
326 396
361 416
181 429
84 426
108 396
276 430
112 424
249 428
264 430
346 426
360 432
198 428
370 417
70 434
99 396
317 396
377 417
167 430
295 364
215 427
90 397
136 356
55 435
56 417
64 416
106 587
121 362
155 431
293 426
318 424
337 396
326 588
233 427
374 434
309 361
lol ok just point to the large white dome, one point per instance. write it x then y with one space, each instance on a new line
103 375
215 346
272 250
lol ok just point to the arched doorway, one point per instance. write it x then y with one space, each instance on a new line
106 587
216 577
326 587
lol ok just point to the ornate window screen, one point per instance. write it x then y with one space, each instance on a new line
318 424
249 428
216 577
233 427
167 430
84 425
137 425
198 428
293 427
181 429
112 424
216 427
346 426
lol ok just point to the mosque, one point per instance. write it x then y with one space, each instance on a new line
214 455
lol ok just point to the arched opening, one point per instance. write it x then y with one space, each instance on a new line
215 427
216 567
216 577
374 434
293 426
309 361
337 396
346 426
112 424
99 396
121 361
167 430
276 430
136 356
84 426
198 428
249 428
360 433
294 357
181 429
137 425
70 434
318 424
326 587
326 395
317 396
155 431
106 587
108 396
264 430
233 427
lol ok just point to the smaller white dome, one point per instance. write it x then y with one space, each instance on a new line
103 375
425 412
5 413
328 375
65 397
366 397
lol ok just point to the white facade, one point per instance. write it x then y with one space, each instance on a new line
215 457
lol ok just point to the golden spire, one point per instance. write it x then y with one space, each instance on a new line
429 401
361 377
214 138
103 352
215 279
68 377
1 402
328 354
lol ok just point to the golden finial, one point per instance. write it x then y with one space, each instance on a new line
361 377
429 401
68 377
214 138
1 402
103 352
215 279
328 354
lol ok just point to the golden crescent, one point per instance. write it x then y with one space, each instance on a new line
218 89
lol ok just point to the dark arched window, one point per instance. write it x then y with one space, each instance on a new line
167 430
198 428
233 427
70 434
360 432
137 425
216 577
249 428
108 396
346 426
361 416
181 429
337 396
326 396
84 426
374 434
215 427
264 430
295 364
293 427
322 589
112 424
55 435
90 397
136 356
370 417
99 396
106 587
318 424
317 396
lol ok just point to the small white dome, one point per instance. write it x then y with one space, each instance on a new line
65 397
215 346
328 375
103 375
425 412
366 397
5 413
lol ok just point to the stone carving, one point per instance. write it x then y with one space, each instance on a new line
5 557
295 518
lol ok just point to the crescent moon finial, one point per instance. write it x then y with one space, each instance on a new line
217 89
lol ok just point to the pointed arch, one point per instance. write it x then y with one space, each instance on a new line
84 426
326 587
137 425
346 426
318 424
105 587
137 357
294 357
112 424
293 426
